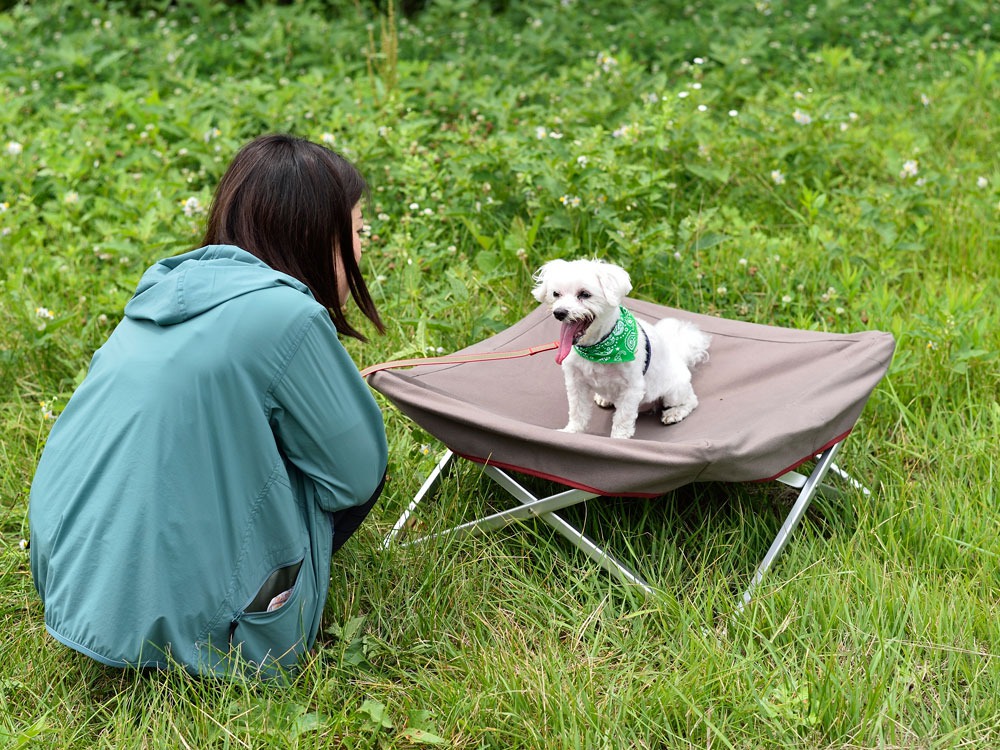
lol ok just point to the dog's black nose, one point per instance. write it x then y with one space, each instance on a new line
560 314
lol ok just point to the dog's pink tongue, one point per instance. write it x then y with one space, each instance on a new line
566 335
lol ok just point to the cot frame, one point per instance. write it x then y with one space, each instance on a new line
544 508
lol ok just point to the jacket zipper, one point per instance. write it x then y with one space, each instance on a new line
242 610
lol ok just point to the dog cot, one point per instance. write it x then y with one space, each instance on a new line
772 400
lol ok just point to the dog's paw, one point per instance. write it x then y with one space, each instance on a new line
603 402
622 429
571 428
675 414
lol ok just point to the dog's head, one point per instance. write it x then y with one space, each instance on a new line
580 292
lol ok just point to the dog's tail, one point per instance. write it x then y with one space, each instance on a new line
689 342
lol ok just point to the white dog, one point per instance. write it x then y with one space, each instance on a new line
610 357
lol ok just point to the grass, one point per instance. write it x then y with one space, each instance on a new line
828 166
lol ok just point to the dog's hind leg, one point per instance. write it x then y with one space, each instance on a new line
679 408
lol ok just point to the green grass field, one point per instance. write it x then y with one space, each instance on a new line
829 166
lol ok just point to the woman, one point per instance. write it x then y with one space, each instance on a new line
181 511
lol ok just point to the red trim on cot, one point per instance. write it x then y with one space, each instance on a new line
810 457
645 495
553 477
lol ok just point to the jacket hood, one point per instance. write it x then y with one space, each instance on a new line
184 286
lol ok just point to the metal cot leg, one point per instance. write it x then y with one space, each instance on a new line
809 487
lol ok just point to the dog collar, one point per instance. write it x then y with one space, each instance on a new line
619 345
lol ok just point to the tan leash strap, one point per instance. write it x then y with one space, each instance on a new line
459 359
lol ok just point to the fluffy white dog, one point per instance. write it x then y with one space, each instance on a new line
610 357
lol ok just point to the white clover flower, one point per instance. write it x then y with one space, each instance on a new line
801 117
652 98
683 94
925 100
702 108
192 206
777 177
606 62
328 138
722 291
982 183
554 135
414 207
786 299
14 148
581 161
699 61
733 113
910 169
44 313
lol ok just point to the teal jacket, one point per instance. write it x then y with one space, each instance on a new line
196 466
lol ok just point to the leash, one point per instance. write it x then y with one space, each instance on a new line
459 359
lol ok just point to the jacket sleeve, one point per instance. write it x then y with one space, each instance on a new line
326 421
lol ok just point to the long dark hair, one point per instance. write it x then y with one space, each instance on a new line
289 202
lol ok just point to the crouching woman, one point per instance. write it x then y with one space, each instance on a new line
223 445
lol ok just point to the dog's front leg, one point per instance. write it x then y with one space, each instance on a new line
626 413
581 401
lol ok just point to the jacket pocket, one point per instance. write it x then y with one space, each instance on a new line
273 640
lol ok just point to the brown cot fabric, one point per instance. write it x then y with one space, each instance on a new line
770 399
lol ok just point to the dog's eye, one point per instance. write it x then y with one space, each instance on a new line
584 294
556 295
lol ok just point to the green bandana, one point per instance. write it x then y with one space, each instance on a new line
618 346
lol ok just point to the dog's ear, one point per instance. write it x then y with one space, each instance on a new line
541 289
615 282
